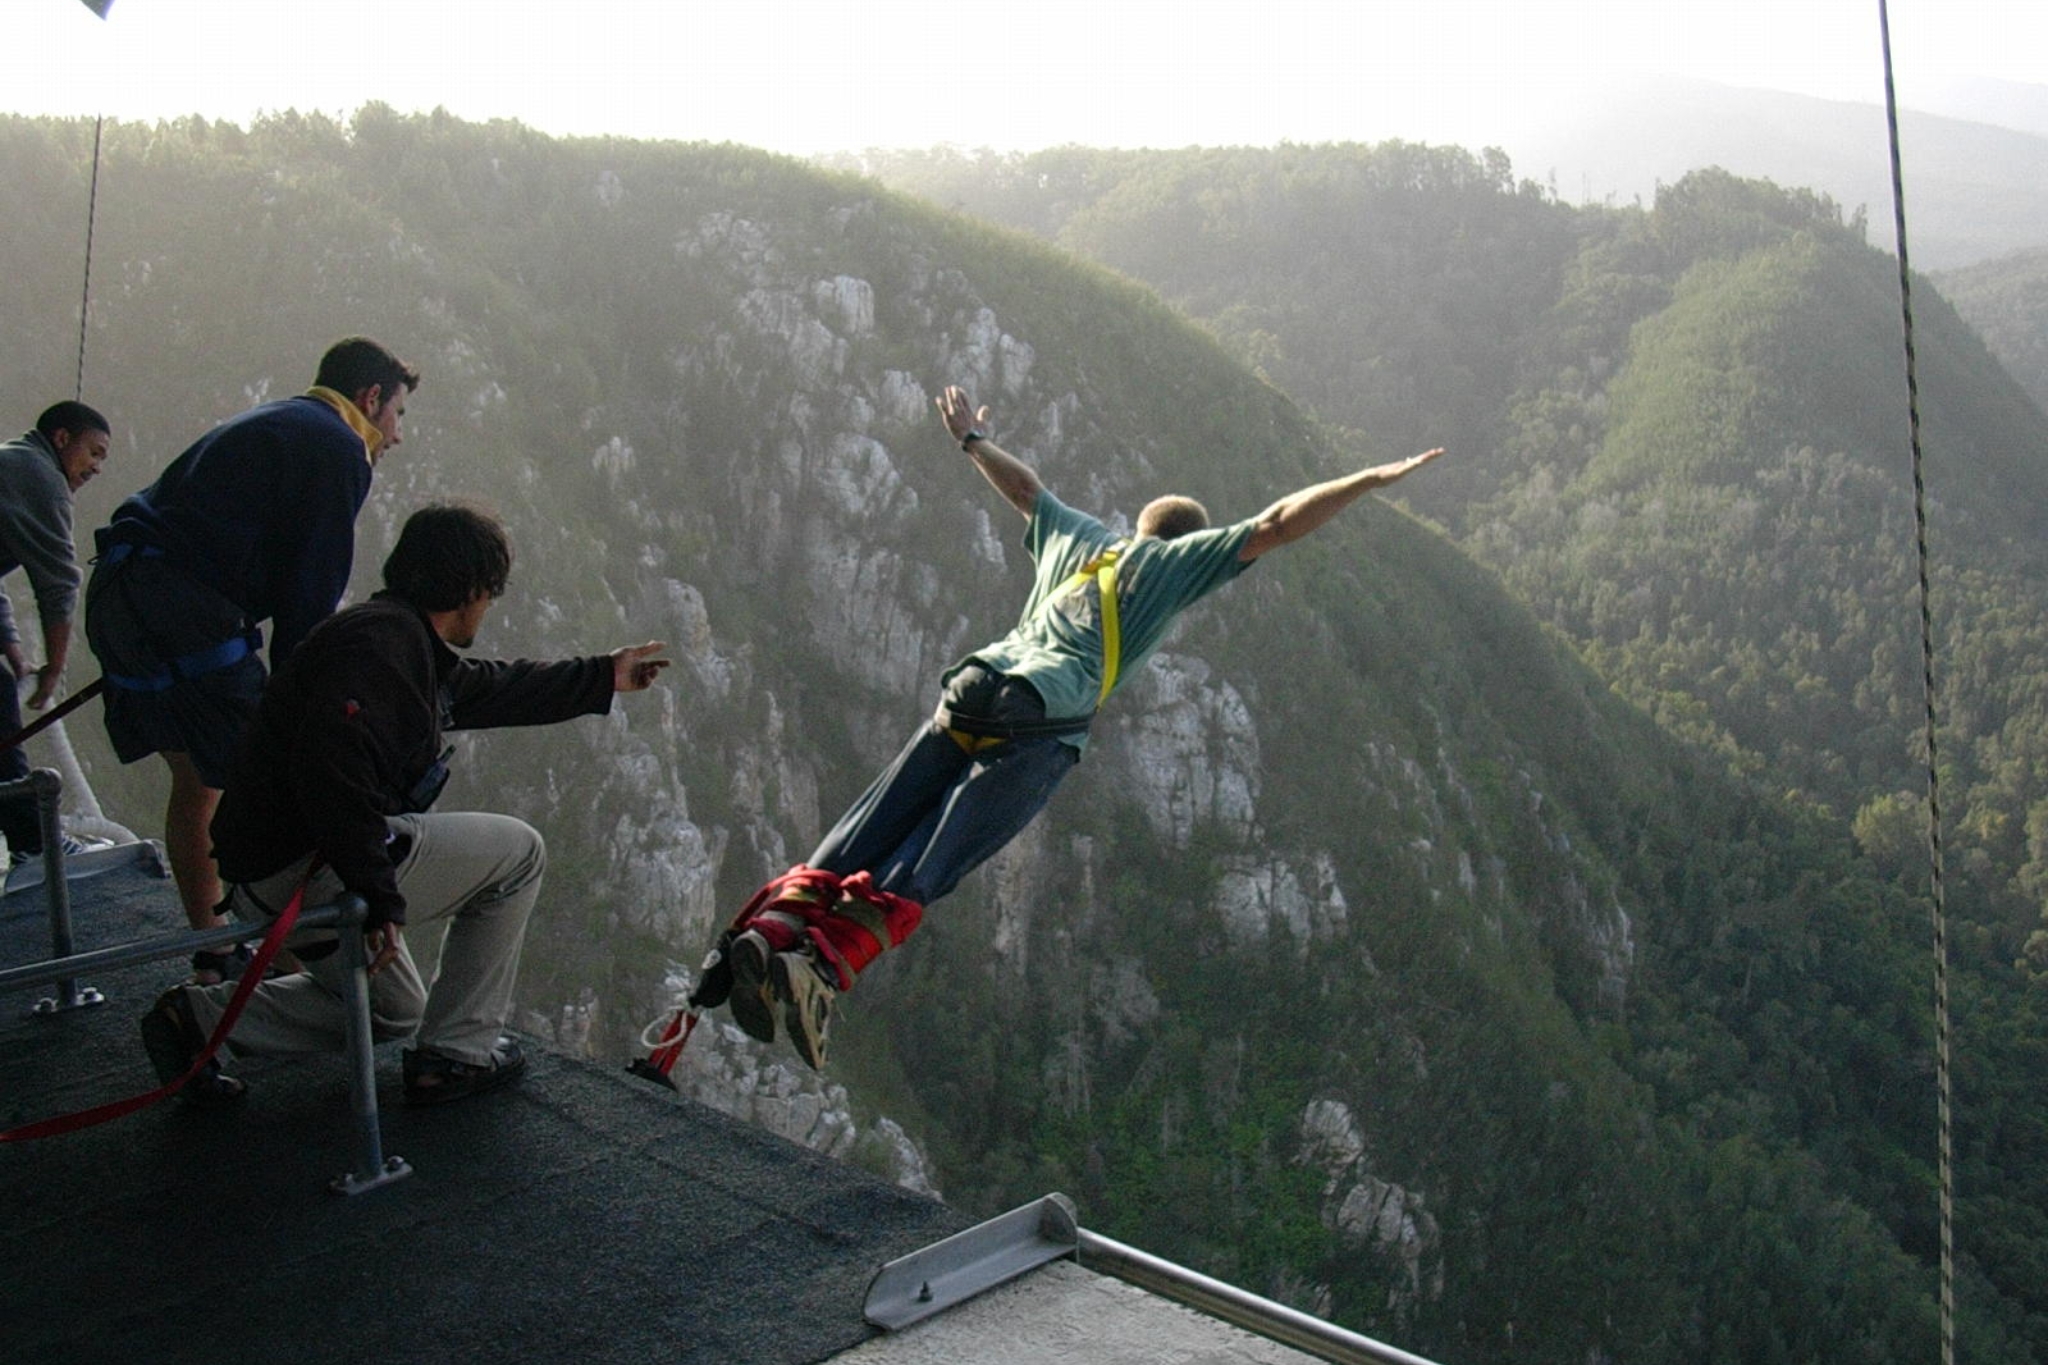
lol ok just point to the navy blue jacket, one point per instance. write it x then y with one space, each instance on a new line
262 509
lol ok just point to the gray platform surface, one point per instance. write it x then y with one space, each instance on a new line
582 1215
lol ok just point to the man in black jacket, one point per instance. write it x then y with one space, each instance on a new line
330 791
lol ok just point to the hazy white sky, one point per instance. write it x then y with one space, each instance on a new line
806 76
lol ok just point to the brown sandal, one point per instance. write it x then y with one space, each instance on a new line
431 1078
172 1037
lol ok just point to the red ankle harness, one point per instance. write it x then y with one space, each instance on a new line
848 920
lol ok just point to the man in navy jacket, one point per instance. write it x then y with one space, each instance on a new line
255 522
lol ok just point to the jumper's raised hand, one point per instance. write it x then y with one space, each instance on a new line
968 425
960 414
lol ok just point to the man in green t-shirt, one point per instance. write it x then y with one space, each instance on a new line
1012 721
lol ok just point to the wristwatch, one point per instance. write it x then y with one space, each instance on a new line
970 438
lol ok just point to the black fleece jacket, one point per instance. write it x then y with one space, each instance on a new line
349 727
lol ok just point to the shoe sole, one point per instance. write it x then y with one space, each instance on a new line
809 1043
164 1041
753 1009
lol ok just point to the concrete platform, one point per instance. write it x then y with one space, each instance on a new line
579 1216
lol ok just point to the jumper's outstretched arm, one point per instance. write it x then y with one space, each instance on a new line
1299 513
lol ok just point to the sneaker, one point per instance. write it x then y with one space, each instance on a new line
173 1039
753 1008
431 1078
71 844
25 870
807 1004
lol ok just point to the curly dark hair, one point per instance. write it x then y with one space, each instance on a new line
447 555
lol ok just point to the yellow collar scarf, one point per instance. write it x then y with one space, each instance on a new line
373 439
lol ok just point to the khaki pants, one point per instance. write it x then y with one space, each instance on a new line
469 881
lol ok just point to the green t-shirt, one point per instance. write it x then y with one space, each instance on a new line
1057 644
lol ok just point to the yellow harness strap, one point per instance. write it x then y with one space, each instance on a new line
1112 637
1102 569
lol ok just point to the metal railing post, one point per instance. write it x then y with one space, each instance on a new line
48 787
374 1168
347 916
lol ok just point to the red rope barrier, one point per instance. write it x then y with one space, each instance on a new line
251 976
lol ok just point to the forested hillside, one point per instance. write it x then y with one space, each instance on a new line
1692 458
2007 301
1974 164
1683 430
1380 957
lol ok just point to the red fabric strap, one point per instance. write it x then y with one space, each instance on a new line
252 976
850 936
814 885
847 919
673 1040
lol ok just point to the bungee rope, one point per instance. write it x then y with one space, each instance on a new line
1938 907
665 1046
92 209
259 966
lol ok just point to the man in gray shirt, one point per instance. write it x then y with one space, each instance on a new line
1011 723
39 472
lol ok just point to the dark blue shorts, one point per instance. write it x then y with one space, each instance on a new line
177 682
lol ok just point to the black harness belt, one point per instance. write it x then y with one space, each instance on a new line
981 727
974 733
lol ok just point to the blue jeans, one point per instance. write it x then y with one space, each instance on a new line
18 818
938 812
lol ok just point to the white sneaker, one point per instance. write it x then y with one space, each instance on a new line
25 870
807 1004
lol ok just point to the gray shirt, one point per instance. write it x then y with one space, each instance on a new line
35 530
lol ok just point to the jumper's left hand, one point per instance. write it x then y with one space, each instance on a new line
1390 472
632 670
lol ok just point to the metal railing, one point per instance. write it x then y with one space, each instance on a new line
912 1288
1238 1307
45 786
346 916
